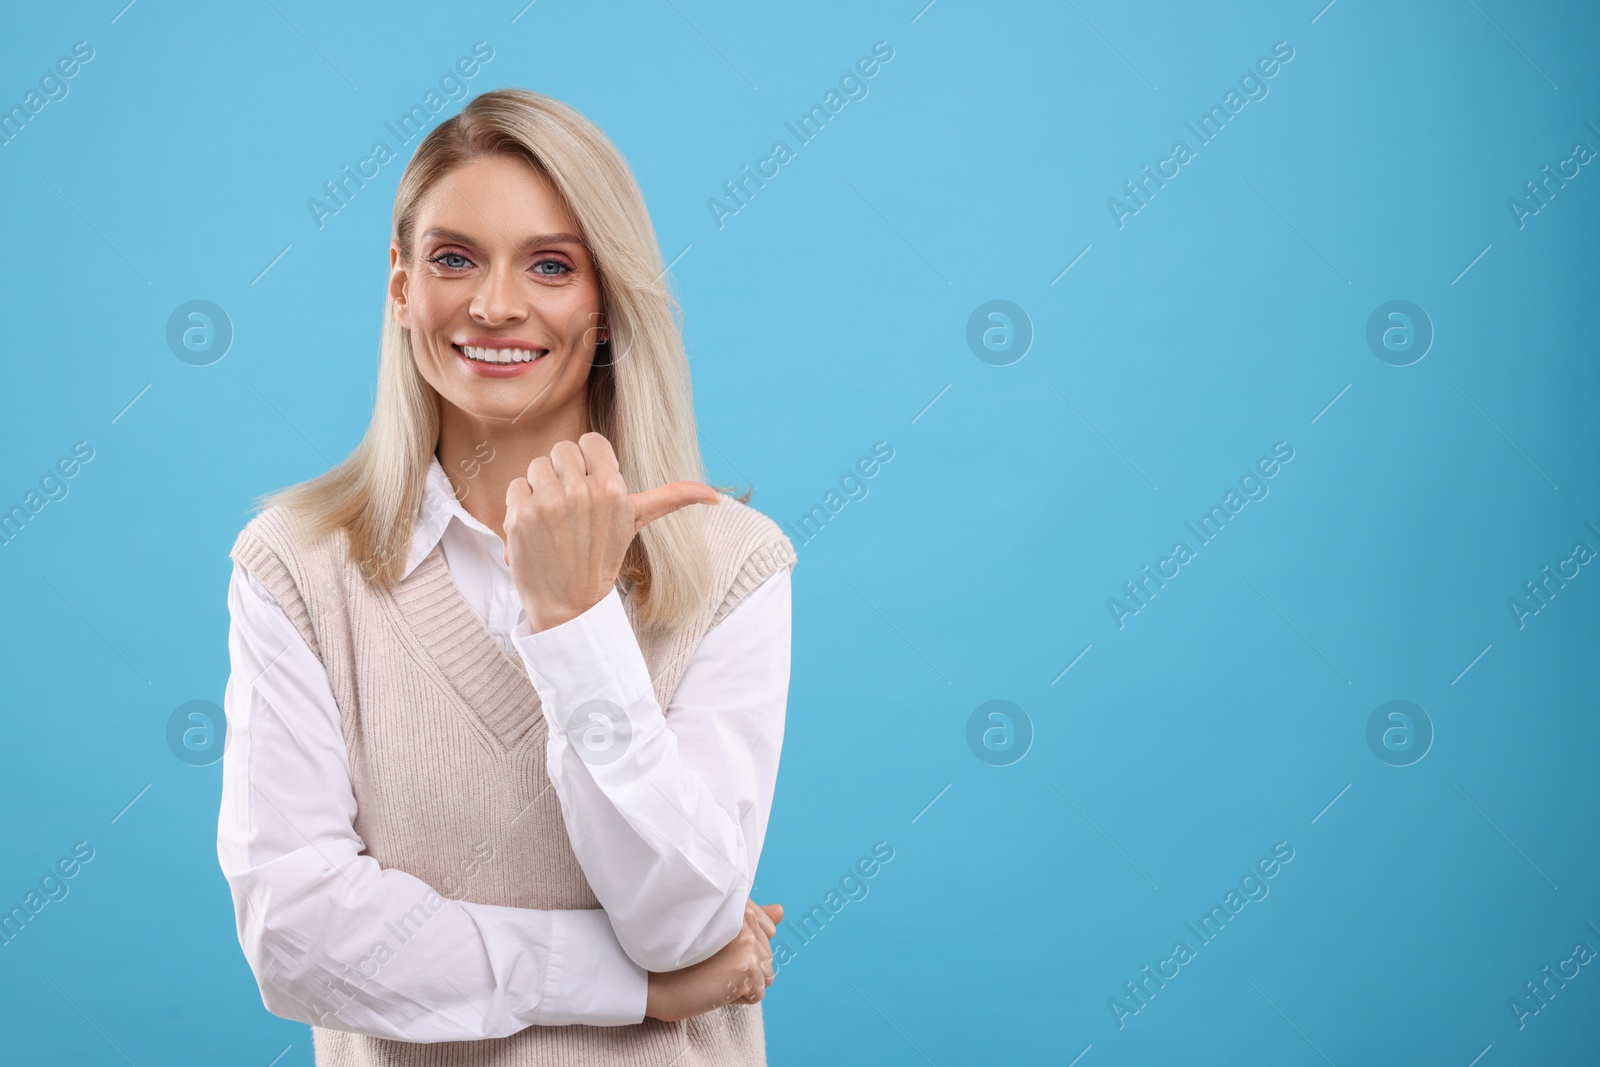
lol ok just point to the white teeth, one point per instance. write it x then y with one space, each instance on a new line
500 355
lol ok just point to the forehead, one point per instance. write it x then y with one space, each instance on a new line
497 200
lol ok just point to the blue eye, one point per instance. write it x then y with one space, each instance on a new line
442 256
552 263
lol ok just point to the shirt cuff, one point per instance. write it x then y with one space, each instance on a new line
594 656
590 979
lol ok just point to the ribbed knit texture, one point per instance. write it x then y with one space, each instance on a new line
447 755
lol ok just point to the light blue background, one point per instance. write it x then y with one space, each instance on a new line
825 316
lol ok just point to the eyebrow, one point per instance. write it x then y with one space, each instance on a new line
527 242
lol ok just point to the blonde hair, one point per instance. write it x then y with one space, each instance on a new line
639 397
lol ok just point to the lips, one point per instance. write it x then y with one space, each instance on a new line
499 355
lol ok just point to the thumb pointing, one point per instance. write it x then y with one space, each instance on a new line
652 504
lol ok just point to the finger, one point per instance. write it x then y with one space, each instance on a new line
652 504
542 476
517 493
598 455
757 919
774 912
738 989
567 459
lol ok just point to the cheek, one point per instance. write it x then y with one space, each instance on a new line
574 323
432 305
574 317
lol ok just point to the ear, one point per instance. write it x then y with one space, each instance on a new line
595 333
397 286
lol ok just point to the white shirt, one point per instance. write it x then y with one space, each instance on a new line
668 837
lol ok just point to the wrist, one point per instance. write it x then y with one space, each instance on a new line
538 623
652 996
549 616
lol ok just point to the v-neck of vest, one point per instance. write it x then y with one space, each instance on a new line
448 634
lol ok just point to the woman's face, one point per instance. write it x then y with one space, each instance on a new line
501 297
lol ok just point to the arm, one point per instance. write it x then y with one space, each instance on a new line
311 909
666 812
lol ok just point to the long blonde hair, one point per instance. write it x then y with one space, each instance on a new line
639 397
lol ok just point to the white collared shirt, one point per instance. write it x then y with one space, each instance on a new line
668 838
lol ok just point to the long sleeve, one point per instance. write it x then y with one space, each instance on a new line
666 810
311 908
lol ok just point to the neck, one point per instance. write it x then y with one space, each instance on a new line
483 457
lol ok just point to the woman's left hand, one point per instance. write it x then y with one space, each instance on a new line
569 523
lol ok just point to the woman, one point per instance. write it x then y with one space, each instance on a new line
508 684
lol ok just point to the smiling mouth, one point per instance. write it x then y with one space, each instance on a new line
500 355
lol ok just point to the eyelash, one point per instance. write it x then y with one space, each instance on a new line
436 260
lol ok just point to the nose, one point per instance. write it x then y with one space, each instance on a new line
498 299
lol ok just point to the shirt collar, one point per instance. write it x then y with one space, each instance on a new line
439 507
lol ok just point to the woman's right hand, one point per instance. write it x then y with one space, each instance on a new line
740 972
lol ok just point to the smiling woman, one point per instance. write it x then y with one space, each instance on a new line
417 667
462 297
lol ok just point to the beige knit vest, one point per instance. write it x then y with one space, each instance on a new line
447 758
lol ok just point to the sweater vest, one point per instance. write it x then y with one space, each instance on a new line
446 742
